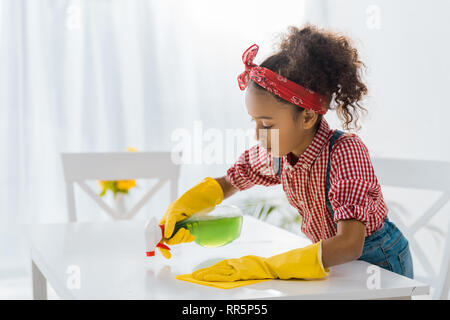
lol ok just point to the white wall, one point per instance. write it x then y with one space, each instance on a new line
408 71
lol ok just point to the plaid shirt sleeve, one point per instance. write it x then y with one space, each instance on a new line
354 192
254 166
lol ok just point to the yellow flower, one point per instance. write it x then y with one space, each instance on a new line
126 184
117 186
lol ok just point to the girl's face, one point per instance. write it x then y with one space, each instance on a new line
276 126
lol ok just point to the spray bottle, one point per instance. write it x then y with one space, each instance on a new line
211 229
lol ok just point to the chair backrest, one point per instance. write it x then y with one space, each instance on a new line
425 175
79 167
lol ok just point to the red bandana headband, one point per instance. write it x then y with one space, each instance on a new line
279 85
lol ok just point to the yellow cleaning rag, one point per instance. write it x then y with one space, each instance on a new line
218 284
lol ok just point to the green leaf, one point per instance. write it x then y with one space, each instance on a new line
261 212
269 211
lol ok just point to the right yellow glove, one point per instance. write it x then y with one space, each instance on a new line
297 263
204 196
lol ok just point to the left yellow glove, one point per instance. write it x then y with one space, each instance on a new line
298 263
204 196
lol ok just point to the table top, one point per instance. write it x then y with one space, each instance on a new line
110 262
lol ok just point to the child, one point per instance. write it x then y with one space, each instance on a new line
326 174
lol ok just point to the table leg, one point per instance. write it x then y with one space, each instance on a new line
39 283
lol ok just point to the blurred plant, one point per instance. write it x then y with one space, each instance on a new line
119 186
284 215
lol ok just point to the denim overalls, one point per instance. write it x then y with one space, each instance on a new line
386 247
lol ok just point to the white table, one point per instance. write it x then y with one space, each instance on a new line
106 260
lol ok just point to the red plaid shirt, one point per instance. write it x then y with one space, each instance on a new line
354 194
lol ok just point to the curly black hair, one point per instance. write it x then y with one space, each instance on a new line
325 62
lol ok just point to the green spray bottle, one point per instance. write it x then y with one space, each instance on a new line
213 228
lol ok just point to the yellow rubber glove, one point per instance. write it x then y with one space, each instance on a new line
302 263
204 196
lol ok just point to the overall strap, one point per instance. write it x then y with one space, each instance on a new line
333 139
279 167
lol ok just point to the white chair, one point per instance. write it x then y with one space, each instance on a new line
79 167
428 175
